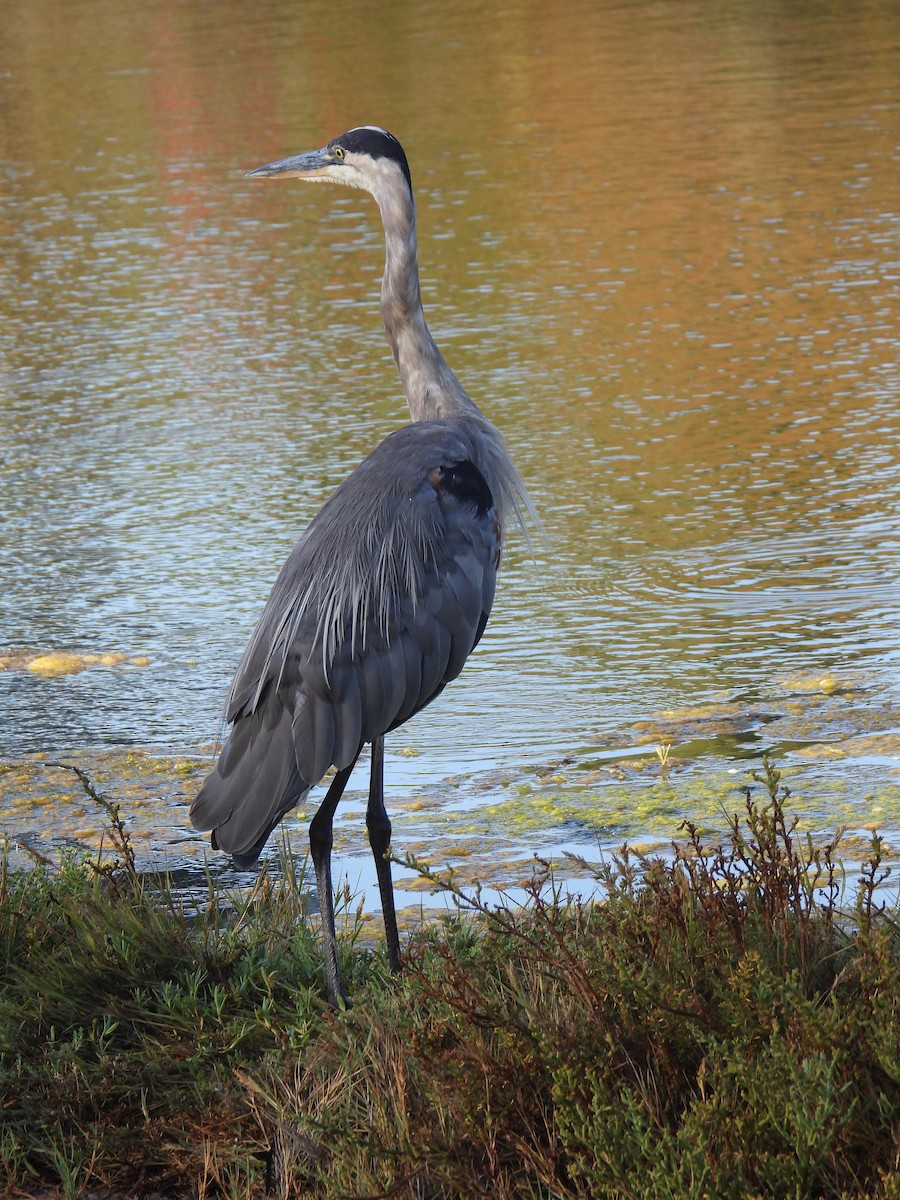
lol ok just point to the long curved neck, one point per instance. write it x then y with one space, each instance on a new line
432 390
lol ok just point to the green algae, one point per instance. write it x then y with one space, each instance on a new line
43 809
836 738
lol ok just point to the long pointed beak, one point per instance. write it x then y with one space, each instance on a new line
310 165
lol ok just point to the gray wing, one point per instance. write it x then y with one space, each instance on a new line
377 608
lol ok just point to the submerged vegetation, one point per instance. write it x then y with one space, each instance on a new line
722 1022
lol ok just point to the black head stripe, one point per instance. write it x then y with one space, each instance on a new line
377 143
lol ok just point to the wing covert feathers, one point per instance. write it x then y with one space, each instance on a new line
377 608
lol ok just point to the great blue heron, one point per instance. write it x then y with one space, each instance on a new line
387 592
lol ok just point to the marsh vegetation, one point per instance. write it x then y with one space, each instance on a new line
721 1022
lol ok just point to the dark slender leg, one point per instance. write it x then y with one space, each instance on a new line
321 839
379 827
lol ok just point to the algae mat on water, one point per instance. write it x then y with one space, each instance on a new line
835 738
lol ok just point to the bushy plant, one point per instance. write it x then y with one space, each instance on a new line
717 1027
126 1019
721 1022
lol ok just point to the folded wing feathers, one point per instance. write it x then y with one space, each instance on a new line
258 762
376 609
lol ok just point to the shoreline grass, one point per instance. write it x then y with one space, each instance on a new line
723 1023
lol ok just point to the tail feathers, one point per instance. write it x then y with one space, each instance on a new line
254 783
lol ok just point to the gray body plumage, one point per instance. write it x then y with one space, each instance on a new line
386 593
377 608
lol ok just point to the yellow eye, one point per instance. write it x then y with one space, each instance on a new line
338 152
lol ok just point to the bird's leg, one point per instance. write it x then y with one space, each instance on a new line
379 827
321 839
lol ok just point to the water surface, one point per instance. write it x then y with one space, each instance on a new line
659 245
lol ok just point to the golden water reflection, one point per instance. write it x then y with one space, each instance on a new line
659 245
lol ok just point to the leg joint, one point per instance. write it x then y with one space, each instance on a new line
321 836
379 827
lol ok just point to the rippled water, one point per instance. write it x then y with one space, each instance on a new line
659 244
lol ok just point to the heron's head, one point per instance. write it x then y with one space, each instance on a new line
367 157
